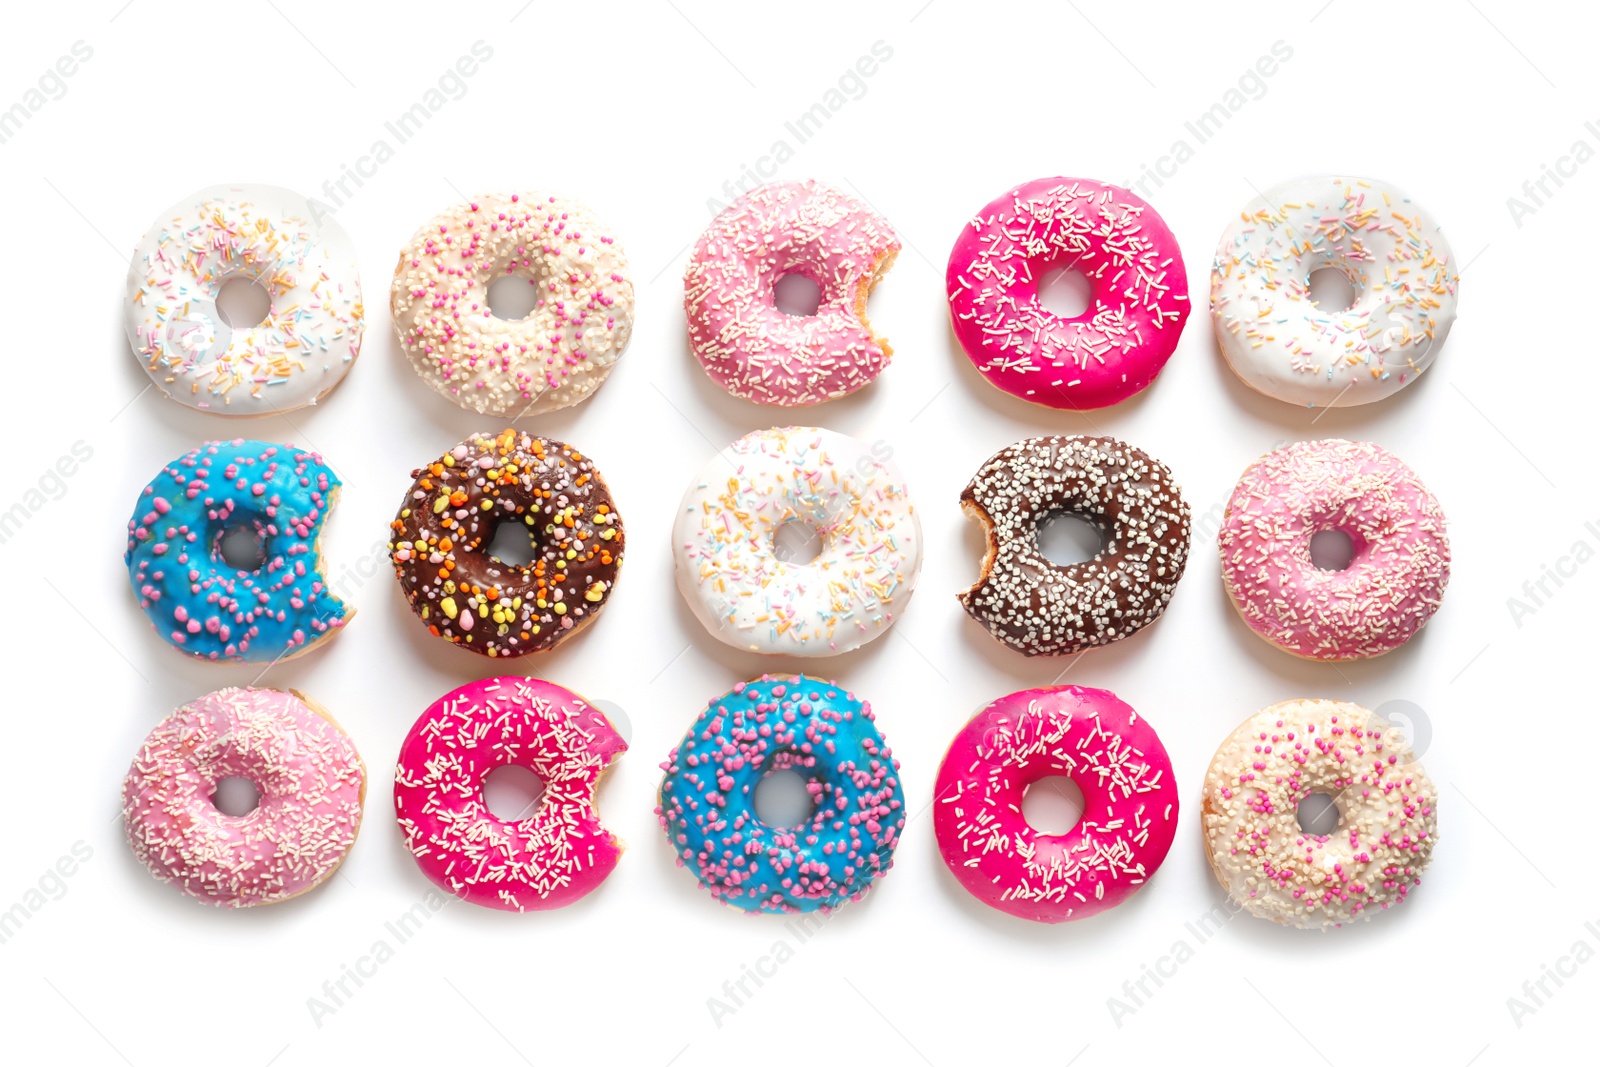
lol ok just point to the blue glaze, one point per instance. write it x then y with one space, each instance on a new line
195 600
826 735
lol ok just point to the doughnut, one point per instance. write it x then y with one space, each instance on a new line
197 602
750 347
854 498
1130 803
275 238
448 520
1139 294
1283 345
1400 559
549 859
311 782
1042 609
1388 814
776 723
553 358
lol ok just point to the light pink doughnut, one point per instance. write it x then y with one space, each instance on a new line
744 342
1400 561
311 780
556 854
1130 812
1139 293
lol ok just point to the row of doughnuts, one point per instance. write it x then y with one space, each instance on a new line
1276 337
312 786
728 565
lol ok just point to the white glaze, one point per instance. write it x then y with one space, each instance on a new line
274 237
848 492
1280 343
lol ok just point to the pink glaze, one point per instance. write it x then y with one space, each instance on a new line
1130 809
556 854
744 342
1139 293
311 780
1400 561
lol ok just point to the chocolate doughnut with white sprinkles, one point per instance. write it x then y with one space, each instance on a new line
448 519
1041 609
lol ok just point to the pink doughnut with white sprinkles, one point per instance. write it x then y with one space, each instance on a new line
551 857
743 340
1400 561
1139 293
309 776
1130 803
1388 814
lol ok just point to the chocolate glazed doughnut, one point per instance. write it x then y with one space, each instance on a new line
442 534
1041 609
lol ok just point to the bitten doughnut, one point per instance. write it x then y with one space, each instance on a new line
1130 803
311 782
548 859
1397 260
1400 555
1388 814
556 356
796 723
274 238
745 343
1041 609
854 498
1139 293
448 520
200 604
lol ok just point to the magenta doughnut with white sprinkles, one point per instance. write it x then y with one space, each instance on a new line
1040 608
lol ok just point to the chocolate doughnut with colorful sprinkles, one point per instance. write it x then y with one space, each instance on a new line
448 519
196 600
793 722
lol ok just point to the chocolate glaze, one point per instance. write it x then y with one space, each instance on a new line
449 518
1039 608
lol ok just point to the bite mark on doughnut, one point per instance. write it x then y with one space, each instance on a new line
864 291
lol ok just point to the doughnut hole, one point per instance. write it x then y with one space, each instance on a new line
1332 550
512 793
1066 539
783 800
512 297
236 796
243 546
1318 814
242 303
797 295
1065 293
1053 805
512 544
796 542
1331 290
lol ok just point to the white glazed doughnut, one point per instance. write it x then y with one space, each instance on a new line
301 257
1281 344
854 498
556 356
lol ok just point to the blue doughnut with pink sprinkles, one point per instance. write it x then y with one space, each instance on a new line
196 601
797 723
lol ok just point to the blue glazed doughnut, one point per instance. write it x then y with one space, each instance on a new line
776 723
197 602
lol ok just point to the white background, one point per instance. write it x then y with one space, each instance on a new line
644 113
